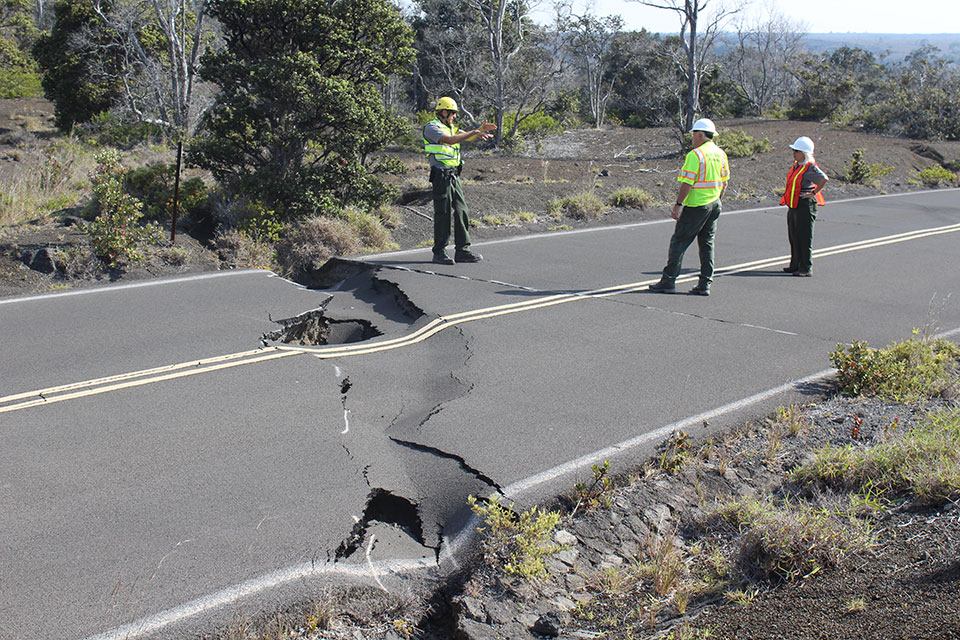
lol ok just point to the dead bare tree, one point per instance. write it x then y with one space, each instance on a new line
592 45
698 31
505 31
759 65
159 77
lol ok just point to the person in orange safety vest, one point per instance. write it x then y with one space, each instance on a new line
805 181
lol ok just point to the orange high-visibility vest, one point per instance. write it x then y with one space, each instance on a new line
791 197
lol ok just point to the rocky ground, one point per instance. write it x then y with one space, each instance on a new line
609 581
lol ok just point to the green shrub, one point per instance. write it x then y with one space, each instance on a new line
116 233
154 184
859 172
537 124
109 130
260 223
517 542
738 144
934 176
583 206
631 198
904 371
20 83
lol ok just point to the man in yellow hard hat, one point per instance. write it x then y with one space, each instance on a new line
703 179
441 142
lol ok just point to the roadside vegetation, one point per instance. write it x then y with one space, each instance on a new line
307 170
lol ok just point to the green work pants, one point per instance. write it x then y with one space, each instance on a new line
800 233
449 207
695 223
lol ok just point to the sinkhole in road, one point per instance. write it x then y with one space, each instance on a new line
388 508
314 327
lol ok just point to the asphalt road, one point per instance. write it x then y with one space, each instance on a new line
162 466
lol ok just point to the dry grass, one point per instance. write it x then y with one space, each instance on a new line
44 180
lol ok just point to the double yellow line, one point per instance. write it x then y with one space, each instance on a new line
148 376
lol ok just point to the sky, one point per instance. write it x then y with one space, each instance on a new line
819 16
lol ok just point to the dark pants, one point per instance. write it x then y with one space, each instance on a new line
449 207
800 233
698 223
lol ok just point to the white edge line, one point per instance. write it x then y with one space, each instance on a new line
137 285
151 624
452 549
364 258
452 546
553 234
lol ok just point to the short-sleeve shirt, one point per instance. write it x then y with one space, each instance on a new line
811 178
433 131
707 170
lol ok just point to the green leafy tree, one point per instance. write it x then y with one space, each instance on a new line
67 62
18 70
836 85
919 99
300 114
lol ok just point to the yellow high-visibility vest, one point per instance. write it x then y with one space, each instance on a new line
706 169
446 154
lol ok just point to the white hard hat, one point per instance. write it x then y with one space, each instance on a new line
803 143
704 124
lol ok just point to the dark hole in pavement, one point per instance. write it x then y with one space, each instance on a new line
314 327
385 507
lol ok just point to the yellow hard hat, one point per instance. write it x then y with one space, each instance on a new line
446 103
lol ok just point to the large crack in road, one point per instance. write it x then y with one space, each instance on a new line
414 488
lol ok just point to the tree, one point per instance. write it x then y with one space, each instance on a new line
835 85
759 66
18 69
648 88
160 43
506 28
918 99
592 45
696 40
68 56
300 114
449 41
489 56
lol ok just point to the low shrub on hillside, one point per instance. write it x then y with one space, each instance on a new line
858 171
308 244
631 198
738 144
583 206
934 176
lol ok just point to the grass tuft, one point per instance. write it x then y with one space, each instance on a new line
924 463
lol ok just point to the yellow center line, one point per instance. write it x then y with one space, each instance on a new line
197 367
38 401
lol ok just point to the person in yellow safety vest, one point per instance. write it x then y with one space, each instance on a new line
703 180
441 143
805 181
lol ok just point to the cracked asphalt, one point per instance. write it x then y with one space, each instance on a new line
205 466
